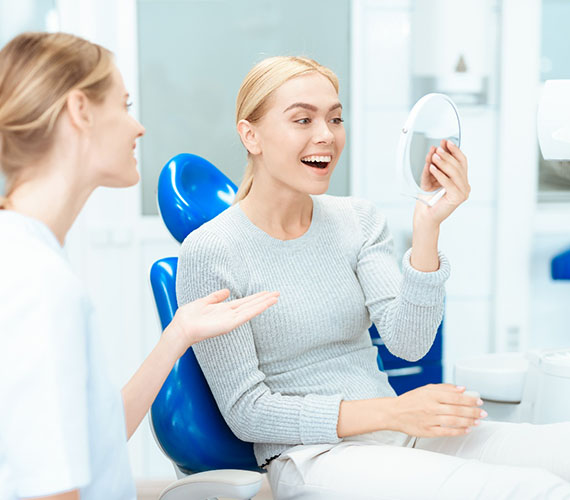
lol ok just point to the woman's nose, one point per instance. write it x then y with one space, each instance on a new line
324 134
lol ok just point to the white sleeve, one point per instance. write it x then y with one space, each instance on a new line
43 422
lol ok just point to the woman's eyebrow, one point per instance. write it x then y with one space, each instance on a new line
310 107
304 105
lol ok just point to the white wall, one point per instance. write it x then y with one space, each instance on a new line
395 41
517 173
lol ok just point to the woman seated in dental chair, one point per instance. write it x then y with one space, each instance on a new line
301 381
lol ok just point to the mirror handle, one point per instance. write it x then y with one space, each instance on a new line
436 197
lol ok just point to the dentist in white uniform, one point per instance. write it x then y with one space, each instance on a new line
65 129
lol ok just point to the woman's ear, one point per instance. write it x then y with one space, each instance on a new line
248 137
79 109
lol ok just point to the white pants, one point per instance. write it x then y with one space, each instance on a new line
495 461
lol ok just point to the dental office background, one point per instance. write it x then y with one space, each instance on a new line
183 62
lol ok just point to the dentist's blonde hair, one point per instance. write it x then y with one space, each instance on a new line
257 88
37 72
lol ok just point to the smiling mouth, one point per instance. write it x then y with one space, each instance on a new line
317 161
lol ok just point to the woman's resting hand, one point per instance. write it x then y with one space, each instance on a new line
436 410
211 316
430 411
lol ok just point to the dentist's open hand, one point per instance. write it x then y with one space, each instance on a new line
446 166
211 316
193 322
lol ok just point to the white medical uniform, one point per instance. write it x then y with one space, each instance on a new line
62 424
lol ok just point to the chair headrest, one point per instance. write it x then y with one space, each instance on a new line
191 191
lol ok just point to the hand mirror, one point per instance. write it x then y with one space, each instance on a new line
433 118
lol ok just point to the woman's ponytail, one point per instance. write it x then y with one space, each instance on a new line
247 181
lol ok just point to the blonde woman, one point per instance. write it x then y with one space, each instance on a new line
65 129
301 381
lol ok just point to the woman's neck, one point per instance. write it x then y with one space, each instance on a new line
282 214
53 198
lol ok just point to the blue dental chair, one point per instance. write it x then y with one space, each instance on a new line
209 460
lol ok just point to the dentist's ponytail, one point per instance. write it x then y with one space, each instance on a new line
257 88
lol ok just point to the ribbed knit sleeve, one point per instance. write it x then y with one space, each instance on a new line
230 362
406 307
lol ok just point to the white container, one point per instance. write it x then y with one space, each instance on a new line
497 377
547 395
518 387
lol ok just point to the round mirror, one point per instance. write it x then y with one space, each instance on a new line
433 118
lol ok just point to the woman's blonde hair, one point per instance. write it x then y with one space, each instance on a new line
37 72
257 88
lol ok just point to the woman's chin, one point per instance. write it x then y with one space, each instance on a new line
321 188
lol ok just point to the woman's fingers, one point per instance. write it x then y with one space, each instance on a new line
461 411
449 387
443 179
455 184
457 153
460 399
428 182
437 410
457 422
447 162
451 167
452 156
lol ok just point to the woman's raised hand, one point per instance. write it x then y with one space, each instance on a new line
211 316
437 410
445 166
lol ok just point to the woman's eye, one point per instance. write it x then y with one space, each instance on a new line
337 121
303 121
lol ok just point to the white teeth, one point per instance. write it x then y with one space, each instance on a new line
321 159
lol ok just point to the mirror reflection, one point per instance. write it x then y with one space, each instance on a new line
434 118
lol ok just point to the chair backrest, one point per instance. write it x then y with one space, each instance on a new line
185 418
192 191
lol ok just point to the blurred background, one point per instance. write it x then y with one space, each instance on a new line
183 61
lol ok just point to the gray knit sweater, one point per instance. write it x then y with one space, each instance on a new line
279 379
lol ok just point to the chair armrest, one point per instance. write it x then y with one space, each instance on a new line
232 483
